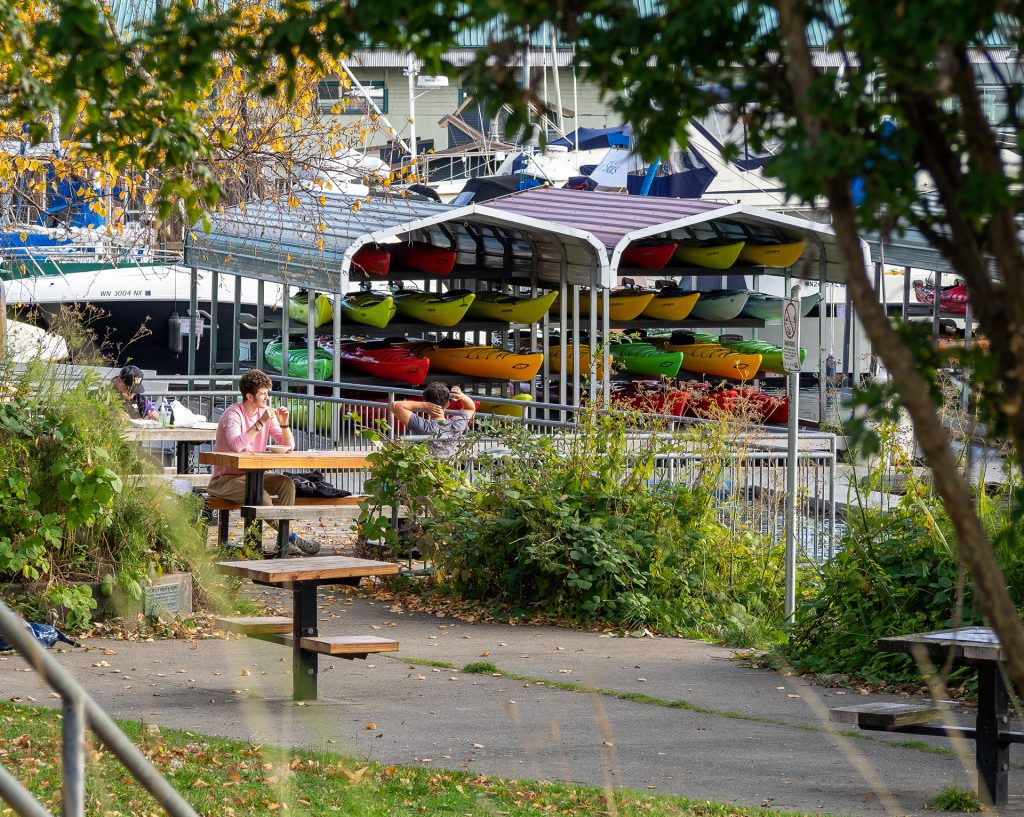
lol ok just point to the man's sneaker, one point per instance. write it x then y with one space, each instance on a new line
307 546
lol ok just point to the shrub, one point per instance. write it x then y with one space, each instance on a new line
577 525
70 513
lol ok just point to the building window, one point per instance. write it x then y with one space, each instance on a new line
334 97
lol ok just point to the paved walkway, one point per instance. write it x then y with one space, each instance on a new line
744 736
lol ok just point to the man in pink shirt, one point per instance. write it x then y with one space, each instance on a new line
249 426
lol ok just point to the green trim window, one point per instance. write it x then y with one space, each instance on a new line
350 101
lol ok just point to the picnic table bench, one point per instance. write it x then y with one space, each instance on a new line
303 576
967 646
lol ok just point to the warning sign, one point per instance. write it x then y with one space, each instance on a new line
791 335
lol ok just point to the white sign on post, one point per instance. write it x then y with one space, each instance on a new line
791 334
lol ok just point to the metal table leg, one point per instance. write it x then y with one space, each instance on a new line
253 537
304 663
992 755
183 457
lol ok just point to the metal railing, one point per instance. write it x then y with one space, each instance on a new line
79 711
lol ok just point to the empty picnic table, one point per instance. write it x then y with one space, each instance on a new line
302 577
977 647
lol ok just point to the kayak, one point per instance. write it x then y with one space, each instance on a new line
555 360
645 358
372 260
478 361
720 304
653 254
771 355
712 358
951 299
761 407
369 308
710 253
623 304
438 308
323 365
497 306
767 254
671 304
769 307
383 359
423 257
298 308
505 409
649 396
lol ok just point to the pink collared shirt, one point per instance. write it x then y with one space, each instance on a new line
233 435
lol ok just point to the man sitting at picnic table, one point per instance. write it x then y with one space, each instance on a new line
435 397
249 426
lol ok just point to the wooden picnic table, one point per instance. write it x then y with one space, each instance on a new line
185 440
302 576
255 465
975 647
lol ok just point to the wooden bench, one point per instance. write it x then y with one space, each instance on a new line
888 716
279 630
308 508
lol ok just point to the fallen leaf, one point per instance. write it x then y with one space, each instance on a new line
369 725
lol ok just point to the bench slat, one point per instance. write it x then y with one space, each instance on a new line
348 646
216 503
882 715
306 513
254 625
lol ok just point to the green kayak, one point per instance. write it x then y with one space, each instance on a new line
323 365
771 355
298 308
646 359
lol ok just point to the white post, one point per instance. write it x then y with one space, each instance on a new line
791 361
557 79
411 73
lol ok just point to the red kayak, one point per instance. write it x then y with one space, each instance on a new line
951 299
381 359
649 396
372 260
654 255
764 408
424 258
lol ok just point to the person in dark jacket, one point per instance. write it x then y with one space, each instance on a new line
137 406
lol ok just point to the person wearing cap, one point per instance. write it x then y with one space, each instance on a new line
137 406
437 424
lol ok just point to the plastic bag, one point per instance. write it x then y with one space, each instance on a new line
44 634
314 484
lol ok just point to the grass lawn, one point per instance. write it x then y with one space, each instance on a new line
225 778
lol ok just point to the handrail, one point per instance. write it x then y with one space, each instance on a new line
79 709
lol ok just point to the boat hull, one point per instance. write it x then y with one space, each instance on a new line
555 360
708 254
771 355
671 307
496 306
772 255
480 361
384 360
298 357
368 308
720 306
648 256
298 309
769 307
372 261
439 309
623 304
423 258
646 359
714 359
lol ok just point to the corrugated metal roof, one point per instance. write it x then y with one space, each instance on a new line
302 245
312 244
618 220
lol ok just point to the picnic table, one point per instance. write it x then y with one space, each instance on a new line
185 440
977 647
255 465
302 576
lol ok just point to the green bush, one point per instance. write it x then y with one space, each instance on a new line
71 513
573 525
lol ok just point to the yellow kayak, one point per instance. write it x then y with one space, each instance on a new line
671 304
714 359
298 308
497 306
505 409
438 308
555 360
623 304
478 361
710 253
772 255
